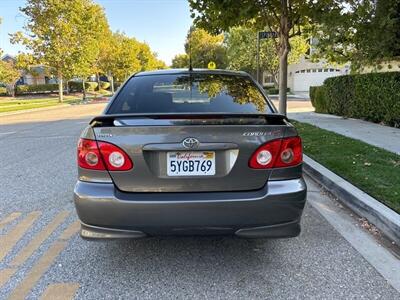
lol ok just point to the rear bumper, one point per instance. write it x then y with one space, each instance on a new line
273 211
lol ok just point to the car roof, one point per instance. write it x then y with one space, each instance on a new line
194 71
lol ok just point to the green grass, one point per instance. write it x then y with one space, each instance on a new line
373 170
23 103
25 107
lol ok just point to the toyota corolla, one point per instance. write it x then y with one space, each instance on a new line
190 152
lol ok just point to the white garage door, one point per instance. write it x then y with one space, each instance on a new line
303 79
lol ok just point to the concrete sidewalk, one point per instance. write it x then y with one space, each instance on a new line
374 134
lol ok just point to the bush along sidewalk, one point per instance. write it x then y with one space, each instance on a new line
371 169
373 97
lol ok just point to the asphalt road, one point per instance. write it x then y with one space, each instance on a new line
41 254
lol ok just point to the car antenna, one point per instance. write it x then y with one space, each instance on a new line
190 49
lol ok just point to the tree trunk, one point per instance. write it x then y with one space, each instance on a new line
112 84
283 66
98 81
11 89
275 77
60 89
83 90
283 56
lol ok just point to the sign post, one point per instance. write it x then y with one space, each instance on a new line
261 36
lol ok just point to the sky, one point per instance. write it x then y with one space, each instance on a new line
163 24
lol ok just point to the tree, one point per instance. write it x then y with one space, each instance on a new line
202 47
101 47
286 17
241 44
123 58
1 51
62 35
180 61
363 32
148 59
123 55
9 75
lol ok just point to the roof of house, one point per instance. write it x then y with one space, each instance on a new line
8 57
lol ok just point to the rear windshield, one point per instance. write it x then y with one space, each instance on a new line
194 93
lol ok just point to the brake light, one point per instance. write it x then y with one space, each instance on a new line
114 157
291 153
89 155
277 154
102 156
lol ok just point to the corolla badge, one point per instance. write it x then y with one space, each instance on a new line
190 143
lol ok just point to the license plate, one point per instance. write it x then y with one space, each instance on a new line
191 163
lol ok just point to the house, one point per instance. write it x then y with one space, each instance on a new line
307 73
37 74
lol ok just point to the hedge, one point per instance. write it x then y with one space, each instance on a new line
373 97
104 85
274 91
73 86
76 86
318 99
38 88
3 91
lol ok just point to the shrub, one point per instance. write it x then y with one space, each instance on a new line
91 86
117 84
76 86
104 85
274 91
339 92
374 97
3 91
36 89
318 99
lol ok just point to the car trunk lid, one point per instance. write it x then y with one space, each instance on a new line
151 140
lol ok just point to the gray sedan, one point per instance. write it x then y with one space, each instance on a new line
187 152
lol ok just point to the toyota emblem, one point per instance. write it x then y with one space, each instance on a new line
190 143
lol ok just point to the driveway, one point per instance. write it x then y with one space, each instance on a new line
41 253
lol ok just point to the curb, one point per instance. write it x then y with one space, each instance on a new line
384 218
33 110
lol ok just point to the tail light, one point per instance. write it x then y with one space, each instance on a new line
278 154
102 156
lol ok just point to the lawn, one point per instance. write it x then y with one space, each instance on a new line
373 170
8 104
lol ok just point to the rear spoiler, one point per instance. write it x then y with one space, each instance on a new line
108 120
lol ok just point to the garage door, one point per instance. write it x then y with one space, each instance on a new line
303 79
